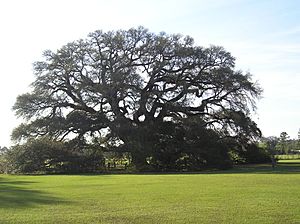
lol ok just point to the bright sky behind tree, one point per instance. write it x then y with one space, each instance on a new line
263 35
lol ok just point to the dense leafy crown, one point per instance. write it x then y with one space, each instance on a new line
122 80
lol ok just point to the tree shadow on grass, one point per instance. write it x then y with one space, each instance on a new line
14 195
280 168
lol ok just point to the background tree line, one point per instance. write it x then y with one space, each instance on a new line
282 145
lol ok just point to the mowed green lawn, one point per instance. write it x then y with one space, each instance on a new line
254 194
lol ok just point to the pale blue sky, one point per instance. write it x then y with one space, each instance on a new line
263 35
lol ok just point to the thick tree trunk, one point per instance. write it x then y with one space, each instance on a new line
139 161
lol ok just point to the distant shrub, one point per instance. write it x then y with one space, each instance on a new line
4 165
45 155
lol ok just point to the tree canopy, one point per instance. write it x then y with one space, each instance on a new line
141 92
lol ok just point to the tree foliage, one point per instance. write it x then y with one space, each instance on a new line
49 156
140 91
3 161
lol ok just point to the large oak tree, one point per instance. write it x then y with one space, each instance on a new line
126 85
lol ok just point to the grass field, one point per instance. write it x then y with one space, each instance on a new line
288 157
252 194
